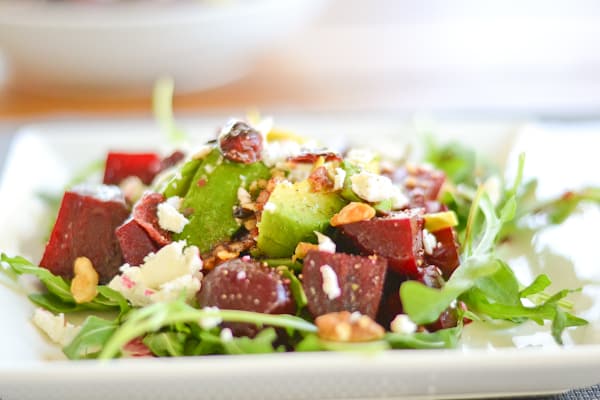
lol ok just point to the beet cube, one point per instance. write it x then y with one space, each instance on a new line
360 281
122 165
248 286
135 242
86 226
145 214
445 255
397 238
420 179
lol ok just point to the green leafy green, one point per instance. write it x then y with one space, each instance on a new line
261 343
162 104
442 339
295 287
94 334
58 297
151 318
164 344
312 342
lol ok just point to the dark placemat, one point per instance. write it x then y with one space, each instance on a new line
589 393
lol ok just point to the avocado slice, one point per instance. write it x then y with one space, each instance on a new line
291 215
211 196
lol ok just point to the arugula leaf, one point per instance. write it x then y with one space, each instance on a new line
261 343
162 104
295 287
540 283
312 343
442 339
59 298
94 333
151 318
55 284
166 343
424 304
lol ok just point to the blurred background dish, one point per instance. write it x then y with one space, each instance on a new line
72 47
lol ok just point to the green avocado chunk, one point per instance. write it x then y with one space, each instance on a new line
295 212
211 196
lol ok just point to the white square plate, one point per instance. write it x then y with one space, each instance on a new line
503 361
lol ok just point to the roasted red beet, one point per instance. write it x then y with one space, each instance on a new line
242 144
122 165
445 255
390 302
86 226
397 238
144 213
135 242
248 286
420 180
360 281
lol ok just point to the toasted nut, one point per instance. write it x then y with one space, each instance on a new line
84 286
227 255
353 212
302 248
348 327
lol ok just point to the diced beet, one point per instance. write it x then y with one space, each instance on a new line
390 302
248 286
360 281
397 238
445 255
421 180
122 165
85 227
145 214
135 242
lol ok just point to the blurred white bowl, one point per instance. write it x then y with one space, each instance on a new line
121 49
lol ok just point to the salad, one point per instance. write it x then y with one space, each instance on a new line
263 241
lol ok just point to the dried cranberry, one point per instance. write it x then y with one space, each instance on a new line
242 144
311 157
171 160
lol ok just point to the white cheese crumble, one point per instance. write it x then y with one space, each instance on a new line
403 324
339 178
55 326
372 187
243 196
169 218
361 156
210 321
281 150
399 199
355 317
202 152
226 335
271 207
133 188
325 243
163 276
331 287
429 242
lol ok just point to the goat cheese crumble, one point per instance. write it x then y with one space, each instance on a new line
169 218
331 287
402 324
163 276
55 326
